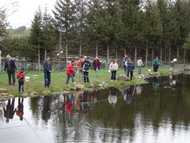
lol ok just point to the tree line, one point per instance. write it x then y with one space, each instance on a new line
109 28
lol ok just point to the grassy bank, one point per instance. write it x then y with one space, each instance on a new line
98 80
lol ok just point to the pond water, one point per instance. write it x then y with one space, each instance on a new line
158 112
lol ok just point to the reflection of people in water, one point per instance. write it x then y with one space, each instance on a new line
20 108
84 102
155 82
138 90
172 80
112 98
77 100
69 101
9 110
129 94
69 104
46 108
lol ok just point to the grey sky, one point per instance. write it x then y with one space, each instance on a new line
24 10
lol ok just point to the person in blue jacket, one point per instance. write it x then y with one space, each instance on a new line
130 69
47 73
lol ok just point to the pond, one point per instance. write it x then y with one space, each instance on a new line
158 112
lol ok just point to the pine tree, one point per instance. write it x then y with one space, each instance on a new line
36 35
3 24
49 34
65 18
94 23
81 15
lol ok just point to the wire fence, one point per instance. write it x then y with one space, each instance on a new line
61 65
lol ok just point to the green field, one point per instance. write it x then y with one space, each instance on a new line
98 80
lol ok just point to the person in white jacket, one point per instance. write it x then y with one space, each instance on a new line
113 68
139 65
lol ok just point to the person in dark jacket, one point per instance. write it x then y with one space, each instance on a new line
125 60
96 64
86 67
47 73
130 69
10 68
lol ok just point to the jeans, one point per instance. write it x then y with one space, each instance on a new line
113 75
11 76
47 78
21 85
155 68
86 76
68 79
130 74
139 69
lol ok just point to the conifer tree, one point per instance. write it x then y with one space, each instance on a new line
65 19
36 36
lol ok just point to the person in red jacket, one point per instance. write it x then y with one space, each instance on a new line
70 72
20 76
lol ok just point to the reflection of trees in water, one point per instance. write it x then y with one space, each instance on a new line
113 119
2 104
116 123
35 108
166 106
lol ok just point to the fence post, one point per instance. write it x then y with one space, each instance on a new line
0 61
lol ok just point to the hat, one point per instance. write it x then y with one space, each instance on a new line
8 56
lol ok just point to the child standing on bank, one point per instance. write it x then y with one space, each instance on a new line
70 72
20 76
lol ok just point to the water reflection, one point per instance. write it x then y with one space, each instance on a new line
112 97
128 94
110 115
20 108
9 109
155 83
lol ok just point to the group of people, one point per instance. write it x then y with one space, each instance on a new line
9 109
11 68
80 66
128 66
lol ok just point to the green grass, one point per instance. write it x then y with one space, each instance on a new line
98 80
